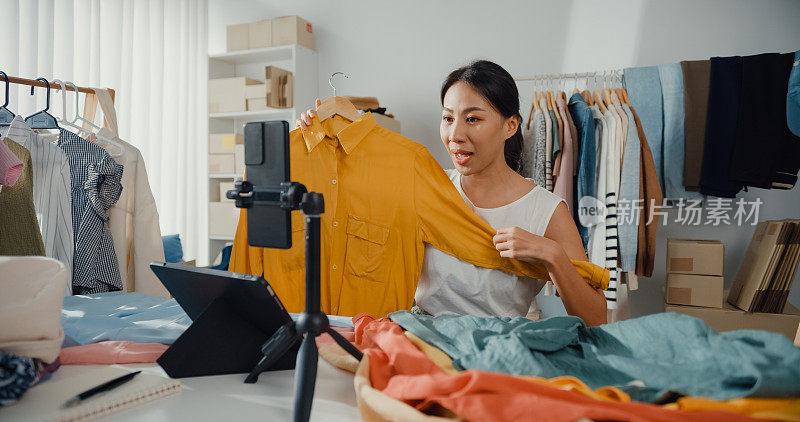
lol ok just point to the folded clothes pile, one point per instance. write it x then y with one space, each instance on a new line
559 369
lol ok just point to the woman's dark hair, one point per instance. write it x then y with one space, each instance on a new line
496 85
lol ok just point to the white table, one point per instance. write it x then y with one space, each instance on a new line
227 398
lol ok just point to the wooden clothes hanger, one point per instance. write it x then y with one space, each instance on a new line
337 105
530 114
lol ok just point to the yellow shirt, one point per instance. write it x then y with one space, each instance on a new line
385 197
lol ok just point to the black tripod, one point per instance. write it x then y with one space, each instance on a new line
311 323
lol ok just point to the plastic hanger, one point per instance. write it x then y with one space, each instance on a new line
78 118
63 121
42 119
6 116
100 137
337 105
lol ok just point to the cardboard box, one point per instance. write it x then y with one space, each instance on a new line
760 261
255 91
292 30
387 122
222 218
228 94
254 104
730 318
260 34
223 143
238 152
220 163
238 37
694 290
693 256
280 87
224 187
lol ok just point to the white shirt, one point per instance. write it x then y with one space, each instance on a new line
52 199
448 284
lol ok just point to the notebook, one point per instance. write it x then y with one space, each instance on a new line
43 402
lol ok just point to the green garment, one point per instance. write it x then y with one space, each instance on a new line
556 136
19 229
645 357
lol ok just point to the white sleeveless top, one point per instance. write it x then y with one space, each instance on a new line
448 284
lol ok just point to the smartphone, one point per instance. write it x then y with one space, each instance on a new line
266 156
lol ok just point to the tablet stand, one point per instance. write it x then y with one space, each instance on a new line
311 323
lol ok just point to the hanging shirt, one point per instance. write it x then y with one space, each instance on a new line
539 173
95 188
385 198
51 191
548 148
133 218
585 184
611 166
651 195
19 230
10 166
564 183
450 285
629 196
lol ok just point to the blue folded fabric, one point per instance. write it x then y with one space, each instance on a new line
645 357
133 317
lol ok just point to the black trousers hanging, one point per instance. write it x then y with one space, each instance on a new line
723 113
765 152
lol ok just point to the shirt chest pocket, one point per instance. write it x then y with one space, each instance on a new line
365 256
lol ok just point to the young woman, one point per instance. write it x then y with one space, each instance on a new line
480 128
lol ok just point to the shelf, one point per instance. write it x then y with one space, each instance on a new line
225 176
258 55
224 238
252 115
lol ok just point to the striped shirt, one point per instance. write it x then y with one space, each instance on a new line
51 191
95 188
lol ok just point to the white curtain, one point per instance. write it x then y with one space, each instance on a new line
153 53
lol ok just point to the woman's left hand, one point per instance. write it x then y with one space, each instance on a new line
514 242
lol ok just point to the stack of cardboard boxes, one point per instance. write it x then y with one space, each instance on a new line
230 95
275 32
226 156
694 272
695 284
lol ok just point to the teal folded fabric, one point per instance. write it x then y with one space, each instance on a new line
645 357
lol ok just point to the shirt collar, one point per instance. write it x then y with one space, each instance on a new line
349 137
18 131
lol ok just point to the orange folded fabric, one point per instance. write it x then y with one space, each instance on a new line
111 352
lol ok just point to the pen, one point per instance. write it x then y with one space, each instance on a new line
106 386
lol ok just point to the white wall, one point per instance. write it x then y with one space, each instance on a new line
401 51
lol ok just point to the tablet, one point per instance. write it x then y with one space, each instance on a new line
195 288
233 315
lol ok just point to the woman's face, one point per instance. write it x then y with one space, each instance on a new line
472 130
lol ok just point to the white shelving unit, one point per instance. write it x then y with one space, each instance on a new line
301 61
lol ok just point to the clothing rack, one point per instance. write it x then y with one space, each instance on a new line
583 75
89 105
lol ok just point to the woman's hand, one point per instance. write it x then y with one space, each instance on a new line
305 119
514 242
